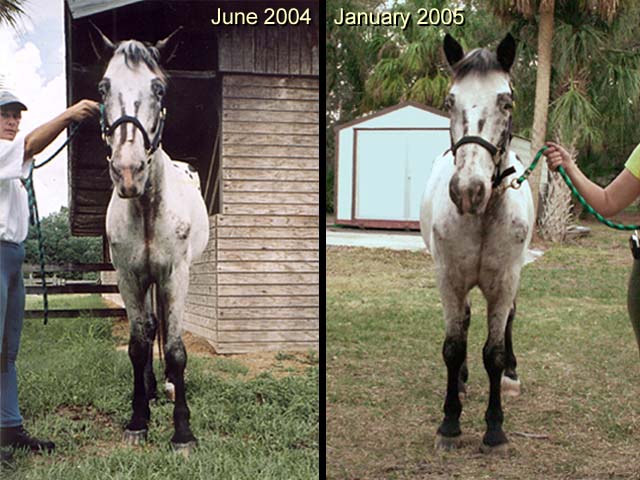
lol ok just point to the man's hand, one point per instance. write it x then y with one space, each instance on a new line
83 109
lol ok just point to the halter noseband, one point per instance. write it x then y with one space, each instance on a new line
150 146
492 149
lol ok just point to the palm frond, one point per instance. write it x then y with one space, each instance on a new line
10 10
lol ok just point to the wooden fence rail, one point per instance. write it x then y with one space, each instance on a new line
73 287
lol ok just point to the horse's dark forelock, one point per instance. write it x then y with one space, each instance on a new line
135 52
480 61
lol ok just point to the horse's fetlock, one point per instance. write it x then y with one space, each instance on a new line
450 427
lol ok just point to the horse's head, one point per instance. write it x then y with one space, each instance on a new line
480 104
132 90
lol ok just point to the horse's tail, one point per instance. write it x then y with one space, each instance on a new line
160 318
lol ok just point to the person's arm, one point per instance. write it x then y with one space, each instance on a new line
41 137
608 201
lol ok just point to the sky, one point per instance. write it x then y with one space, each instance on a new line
32 66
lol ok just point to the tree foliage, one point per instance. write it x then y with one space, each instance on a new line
59 246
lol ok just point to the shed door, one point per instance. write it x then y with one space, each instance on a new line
392 168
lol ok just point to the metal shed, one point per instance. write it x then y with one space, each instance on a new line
242 108
383 162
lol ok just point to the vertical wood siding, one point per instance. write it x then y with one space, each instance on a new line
271 49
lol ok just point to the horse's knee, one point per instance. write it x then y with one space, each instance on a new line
494 358
454 352
175 357
138 350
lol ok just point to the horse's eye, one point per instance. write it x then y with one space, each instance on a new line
157 88
103 87
508 106
449 102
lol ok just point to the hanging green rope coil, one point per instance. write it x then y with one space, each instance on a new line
35 220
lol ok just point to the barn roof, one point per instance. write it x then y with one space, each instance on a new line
84 8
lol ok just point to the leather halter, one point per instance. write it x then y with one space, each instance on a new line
150 146
498 176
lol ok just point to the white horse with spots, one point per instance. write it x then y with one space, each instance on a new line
157 224
477 230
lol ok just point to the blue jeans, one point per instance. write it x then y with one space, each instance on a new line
12 298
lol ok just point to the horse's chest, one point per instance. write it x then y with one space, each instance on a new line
476 242
150 245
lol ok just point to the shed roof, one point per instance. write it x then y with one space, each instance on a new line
388 110
399 106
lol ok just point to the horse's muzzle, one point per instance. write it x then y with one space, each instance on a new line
127 182
468 197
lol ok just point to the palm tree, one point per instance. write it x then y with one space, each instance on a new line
546 9
10 10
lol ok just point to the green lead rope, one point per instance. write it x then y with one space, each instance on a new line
516 184
633 291
34 218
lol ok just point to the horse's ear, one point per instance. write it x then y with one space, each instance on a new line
167 47
506 52
452 50
104 47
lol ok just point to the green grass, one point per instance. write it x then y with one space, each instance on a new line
75 388
78 301
577 358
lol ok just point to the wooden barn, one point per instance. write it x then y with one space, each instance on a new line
243 110
383 161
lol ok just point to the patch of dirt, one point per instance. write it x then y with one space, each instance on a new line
278 364
101 447
85 412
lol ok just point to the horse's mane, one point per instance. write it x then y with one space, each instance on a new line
479 60
135 52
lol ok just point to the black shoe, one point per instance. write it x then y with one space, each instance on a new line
6 458
18 437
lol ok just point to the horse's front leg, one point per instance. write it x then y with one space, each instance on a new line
140 343
510 380
499 290
173 295
454 352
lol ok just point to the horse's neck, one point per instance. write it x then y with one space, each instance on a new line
155 188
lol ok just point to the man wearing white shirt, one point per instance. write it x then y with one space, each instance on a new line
16 157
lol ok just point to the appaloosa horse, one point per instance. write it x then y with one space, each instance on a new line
156 225
477 229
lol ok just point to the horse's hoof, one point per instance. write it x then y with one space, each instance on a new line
134 437
184 449
447 443
170 390
502 449
510 387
